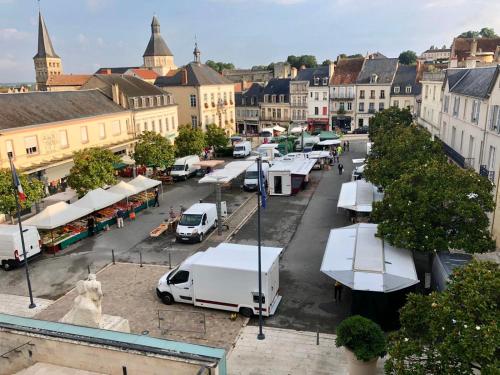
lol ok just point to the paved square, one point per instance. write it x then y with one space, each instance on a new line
19 305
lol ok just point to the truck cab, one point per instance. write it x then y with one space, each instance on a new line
197 221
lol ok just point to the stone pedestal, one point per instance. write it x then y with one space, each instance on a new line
114 323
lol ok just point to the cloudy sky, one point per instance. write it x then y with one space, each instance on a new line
88 34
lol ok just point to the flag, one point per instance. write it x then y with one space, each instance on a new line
262 187
17 183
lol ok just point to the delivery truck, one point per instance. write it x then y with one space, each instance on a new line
225 278
11 248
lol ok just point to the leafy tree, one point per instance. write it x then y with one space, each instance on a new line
154 149
189 141
94 168
216 137
297 61
355 56
455 332
469 34
388 119
327 62
437 206
259 67
219 66
407 58
33 189
488 32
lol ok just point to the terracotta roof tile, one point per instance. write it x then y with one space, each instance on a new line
346 71
461 46
68 80
145 73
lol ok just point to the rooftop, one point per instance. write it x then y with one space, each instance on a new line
309 74
384 68
406 75
193 74
156 45
277 86
476 82
68 80
347 71
461 47
144 73
131 86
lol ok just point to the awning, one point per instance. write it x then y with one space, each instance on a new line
98 199
124 189
64 196
57 215
144 183
279 128
318 154
329 142
208 163
361 261
297 130
228 173
358 196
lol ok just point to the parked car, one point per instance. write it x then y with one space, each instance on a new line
361 130
196 221
225 278
11 249
185 167
242 149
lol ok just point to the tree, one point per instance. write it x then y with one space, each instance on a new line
356 55
437 206
388 119
327 62
452 332
216 137
94 168
485 32
308 61
219 66
469 34
189 141
33 189
153 149
407 58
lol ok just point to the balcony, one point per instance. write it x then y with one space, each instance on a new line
371 110
490 175
337 96
453 155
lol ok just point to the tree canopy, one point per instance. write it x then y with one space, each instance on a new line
153 149
327 62
189 141
219 66
94 168
216 137
485 32
33 189
309 61
388 119
407 58
452 332
344 56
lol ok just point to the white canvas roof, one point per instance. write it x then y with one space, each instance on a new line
267 146
279 128
294 166
228 173
98 199
329 142
318 154
239 257
361 261
358 161
358 196
64 196
144 183
57 215
297 129
125 189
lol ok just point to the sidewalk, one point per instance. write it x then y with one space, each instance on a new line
287 352
18 305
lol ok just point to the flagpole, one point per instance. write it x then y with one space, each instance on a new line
18 209
261 335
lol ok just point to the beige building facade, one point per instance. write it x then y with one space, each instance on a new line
430 108
157 55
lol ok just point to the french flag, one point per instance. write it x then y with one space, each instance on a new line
17 182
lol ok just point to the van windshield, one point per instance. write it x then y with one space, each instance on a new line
239 148
178 168
251 175
190 220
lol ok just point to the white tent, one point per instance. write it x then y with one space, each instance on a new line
358 196
279 128
228 173
64 196
57 215
297 129
98 199
361 261
124 189
329 142
144 183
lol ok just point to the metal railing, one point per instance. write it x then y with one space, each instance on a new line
469 163
453 155
490 175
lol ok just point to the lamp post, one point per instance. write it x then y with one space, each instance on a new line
261 335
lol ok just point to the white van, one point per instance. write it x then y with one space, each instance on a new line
11 248
196 222
242 149
251 181
185 167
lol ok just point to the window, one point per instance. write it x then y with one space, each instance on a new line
180 277
102 130
362 94
491 158
476 105
381 106
361 107
408 89
316 96
192 100
395 103
434 93
116 128
316 110
341 106
174 125
31 145
456 106
63 138
382 94
461 140
153 126
316 81
160 126
371 107
84 134
205 98
453 136
282 98
274 112
212 98
194 121
407 104
273 98
495 118
349 106
325 81
471 146
278 113
446 103
372 94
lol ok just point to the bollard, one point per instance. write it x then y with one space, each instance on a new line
169 260
140 257
113 255
317 336
88 268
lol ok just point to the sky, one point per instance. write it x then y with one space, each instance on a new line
88 34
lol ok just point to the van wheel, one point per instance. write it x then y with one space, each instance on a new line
6 265
167 298
246 312
185 178
201 237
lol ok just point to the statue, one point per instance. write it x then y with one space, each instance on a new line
87 310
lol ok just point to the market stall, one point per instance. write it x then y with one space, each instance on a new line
145 197
358 196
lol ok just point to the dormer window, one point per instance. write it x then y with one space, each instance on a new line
266 98
408 89
273 98
325 81
374 78
282 98
158 100
396 89
316 81
242 101
136 102
252 100
143 102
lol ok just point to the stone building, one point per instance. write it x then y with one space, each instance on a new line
430 109
247 110
472 52
157 55
406 89
275 105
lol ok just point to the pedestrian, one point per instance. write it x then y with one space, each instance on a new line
91 225
348 145
345 145
120 214
334 154
338 291
341 168
339 150
156 202
172 213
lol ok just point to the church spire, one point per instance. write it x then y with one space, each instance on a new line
45 48
196 53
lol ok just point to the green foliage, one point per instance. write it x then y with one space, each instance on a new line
219 66
327 62
407 58
93 169
216 137
189 141
436 206
344 56
388 120
451 332
153 149
485 32
297 61
33 189
361 336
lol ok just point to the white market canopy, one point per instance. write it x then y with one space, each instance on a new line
358 161
228 173
361 261
297 166
57 215
144 183
64 196
279 128
297 129
358 196
329 142
318 154
124 189
98 199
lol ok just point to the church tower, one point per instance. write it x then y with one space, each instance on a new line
47 63
158 56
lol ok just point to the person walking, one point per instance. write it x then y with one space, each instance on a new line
348 145
341 168
338 291
91 225
156 202
334 155
119 218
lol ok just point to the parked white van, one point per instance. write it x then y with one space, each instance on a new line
251 181
242 149
185 167
196 222
11 248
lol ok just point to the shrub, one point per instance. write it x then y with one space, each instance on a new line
361 336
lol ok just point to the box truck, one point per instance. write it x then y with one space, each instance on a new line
185 167
225 278
11 249
242 149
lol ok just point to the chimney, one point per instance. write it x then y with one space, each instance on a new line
293 72
470 62
115 91
331 70
473 47
302 67
184 77
108 71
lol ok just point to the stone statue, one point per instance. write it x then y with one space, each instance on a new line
86 309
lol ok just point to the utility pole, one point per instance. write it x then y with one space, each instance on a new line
261 335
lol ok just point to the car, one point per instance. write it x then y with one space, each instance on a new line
361 130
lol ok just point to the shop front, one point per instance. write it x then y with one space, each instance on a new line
343 123
317 125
